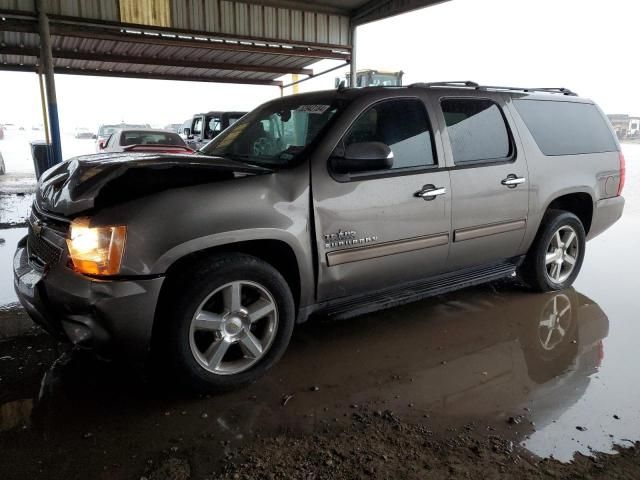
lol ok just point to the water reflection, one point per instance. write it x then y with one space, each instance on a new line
480 354
8 241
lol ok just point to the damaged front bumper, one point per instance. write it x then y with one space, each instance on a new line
114 316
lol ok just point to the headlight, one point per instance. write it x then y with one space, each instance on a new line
96 250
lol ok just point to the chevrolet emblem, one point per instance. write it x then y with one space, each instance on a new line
37 228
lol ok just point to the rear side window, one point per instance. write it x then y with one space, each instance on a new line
402 125
477 130
566 128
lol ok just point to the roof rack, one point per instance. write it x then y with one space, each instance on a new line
475 86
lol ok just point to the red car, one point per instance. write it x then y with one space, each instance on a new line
146 140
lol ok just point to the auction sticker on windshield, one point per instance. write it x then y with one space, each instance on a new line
312 108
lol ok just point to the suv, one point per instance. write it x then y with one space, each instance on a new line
204 127
338 202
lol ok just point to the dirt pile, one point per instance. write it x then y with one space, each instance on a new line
379 445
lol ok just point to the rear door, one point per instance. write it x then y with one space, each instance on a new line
489 180
373 229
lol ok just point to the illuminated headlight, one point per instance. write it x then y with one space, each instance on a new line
96 250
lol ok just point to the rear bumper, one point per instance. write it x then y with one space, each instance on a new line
114 316
606 212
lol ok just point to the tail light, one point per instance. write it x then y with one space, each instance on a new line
623 173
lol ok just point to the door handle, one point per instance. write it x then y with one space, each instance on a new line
429 192
512 181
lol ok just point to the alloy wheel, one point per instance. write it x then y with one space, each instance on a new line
562 254
233 327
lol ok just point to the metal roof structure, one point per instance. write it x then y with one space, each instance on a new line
229 41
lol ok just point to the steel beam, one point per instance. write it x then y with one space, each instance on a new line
381 9
150 76
298 82
171 62
142 38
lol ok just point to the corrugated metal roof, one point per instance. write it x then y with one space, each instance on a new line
158 54
248 41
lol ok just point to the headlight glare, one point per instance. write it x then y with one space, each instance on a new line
96 250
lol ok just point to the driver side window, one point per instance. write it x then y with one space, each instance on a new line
401 124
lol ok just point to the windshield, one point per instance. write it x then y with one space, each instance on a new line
107 130
275 134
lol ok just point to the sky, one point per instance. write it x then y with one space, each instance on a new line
589 46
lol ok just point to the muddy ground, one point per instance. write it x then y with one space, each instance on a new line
67 414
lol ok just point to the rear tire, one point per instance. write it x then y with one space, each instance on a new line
555 258
226 322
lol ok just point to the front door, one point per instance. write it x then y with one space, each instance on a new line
382 228
488 181
194 140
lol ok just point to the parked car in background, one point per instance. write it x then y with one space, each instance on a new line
337 203
173 127
82 132
3 169
146 140
204 127
186 126
105 131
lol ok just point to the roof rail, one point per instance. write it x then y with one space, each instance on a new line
456 83
475 86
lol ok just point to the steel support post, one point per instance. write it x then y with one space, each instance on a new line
46 62
353 68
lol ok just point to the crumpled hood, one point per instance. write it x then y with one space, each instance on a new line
85 182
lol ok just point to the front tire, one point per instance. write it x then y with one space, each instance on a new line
555 258
227 322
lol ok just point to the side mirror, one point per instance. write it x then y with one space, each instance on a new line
186 131
363 157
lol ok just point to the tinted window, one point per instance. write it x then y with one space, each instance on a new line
477 130
111 142
400 124
213 127
150 138
566 128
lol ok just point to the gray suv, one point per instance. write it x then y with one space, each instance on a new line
337 202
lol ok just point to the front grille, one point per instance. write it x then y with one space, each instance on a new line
40 248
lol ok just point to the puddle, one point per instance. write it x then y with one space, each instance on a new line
481 355
14 209
8 240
